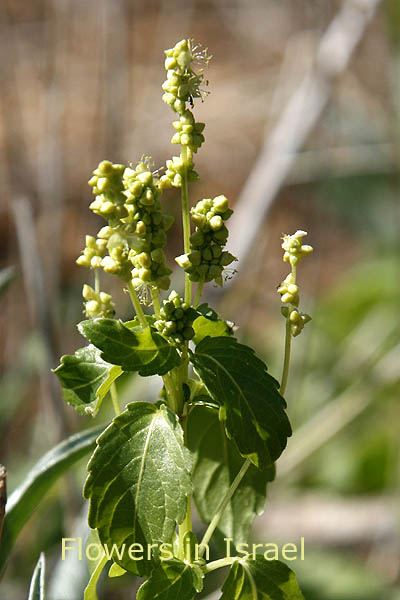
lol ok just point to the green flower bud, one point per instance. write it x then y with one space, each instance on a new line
176 318
97 304
216 222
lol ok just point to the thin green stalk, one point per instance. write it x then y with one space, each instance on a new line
199 291
97 281
156 301
224 503
171 392
186 222
219 564
114 398
185 527
286 360
136 304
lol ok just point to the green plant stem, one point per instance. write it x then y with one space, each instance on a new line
114 398
224 503
286 360
136 304
186 221
199 291
97 281
220 563
156 301
185 527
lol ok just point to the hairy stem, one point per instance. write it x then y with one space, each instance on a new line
136 304
114 398
224 503
186 222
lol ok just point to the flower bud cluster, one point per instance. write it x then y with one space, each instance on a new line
118 245
207 259
129 198
176 319
188 132
175 171
149 226
98 304
294 251
108 188
92 253
182 83
296 318
289 291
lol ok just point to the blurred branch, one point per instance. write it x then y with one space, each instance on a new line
51 186
39 308
298 119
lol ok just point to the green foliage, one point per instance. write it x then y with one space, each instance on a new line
210 324
139 480
90 591
260 579
37 588
39 480
251 407
216 464
172 579
230 416
134 349
86 378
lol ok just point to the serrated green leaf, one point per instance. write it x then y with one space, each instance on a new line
37 587
133 349
209 324
170 580
216 464
251 407
38 481
139 480
260 579
86 378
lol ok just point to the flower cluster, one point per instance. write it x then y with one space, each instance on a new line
182 83
188 132
108 188
207 259
98 304
92 253
176 168
129 199
176 319
294 251
149 226
182 86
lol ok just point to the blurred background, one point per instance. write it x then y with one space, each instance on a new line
302 132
